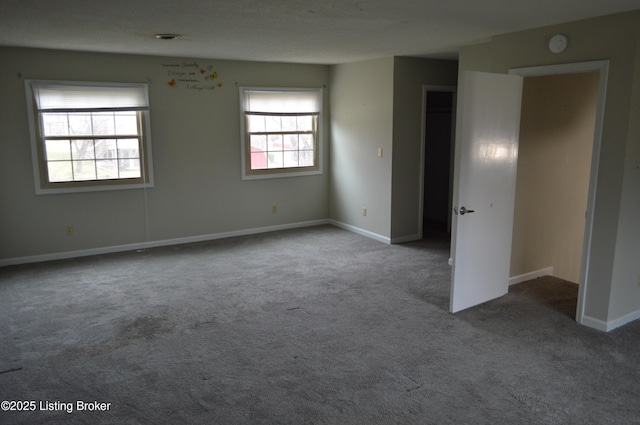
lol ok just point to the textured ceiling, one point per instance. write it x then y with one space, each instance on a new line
303 31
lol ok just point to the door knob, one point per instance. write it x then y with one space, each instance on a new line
463 211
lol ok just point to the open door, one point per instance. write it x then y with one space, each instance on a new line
486 156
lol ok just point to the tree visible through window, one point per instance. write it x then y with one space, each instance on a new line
91 146
90 135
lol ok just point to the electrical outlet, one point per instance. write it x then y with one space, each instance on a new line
68 230
274 209
364 212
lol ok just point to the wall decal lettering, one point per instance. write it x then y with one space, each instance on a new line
191 76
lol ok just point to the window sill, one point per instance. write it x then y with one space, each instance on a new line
281 175
59 190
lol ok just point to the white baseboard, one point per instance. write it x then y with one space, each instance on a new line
155 244
360 231
548 271
404 239
594 323
620 321
611 324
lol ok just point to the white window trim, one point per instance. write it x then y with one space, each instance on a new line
35 159
290 172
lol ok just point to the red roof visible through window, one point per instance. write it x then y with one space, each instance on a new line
258 158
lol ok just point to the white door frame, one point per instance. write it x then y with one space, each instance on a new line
575 68
425 89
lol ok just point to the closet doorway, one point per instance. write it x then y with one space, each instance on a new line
561 131
439 106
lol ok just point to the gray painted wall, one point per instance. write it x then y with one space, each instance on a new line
361 123
409 77
625 293
196 154
196 157
378 104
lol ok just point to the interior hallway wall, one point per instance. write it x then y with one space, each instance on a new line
554 164
625 296
376 108
410 75
361 123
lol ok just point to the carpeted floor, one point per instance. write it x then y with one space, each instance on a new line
307 326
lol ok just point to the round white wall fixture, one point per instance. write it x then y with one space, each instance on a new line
558 43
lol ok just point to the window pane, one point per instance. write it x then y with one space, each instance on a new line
129 168
106 149
290 142
306 141
275 160
82 149
55 124
291 159
259 142
128 148
305 123
273 123
59 171
57 150
80 124
107 169
256 123
275 142
103 123
306 159
126 123
84 170
288 123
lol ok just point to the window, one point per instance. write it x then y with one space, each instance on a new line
281 132
89 136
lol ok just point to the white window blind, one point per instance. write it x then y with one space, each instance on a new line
268 101
89 97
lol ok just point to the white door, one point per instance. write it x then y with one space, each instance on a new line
486 156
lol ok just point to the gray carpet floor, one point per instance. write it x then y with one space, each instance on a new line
306 326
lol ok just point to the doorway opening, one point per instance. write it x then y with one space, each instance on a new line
437 161
554 161
559 147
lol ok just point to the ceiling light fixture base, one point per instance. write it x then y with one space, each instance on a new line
166 36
